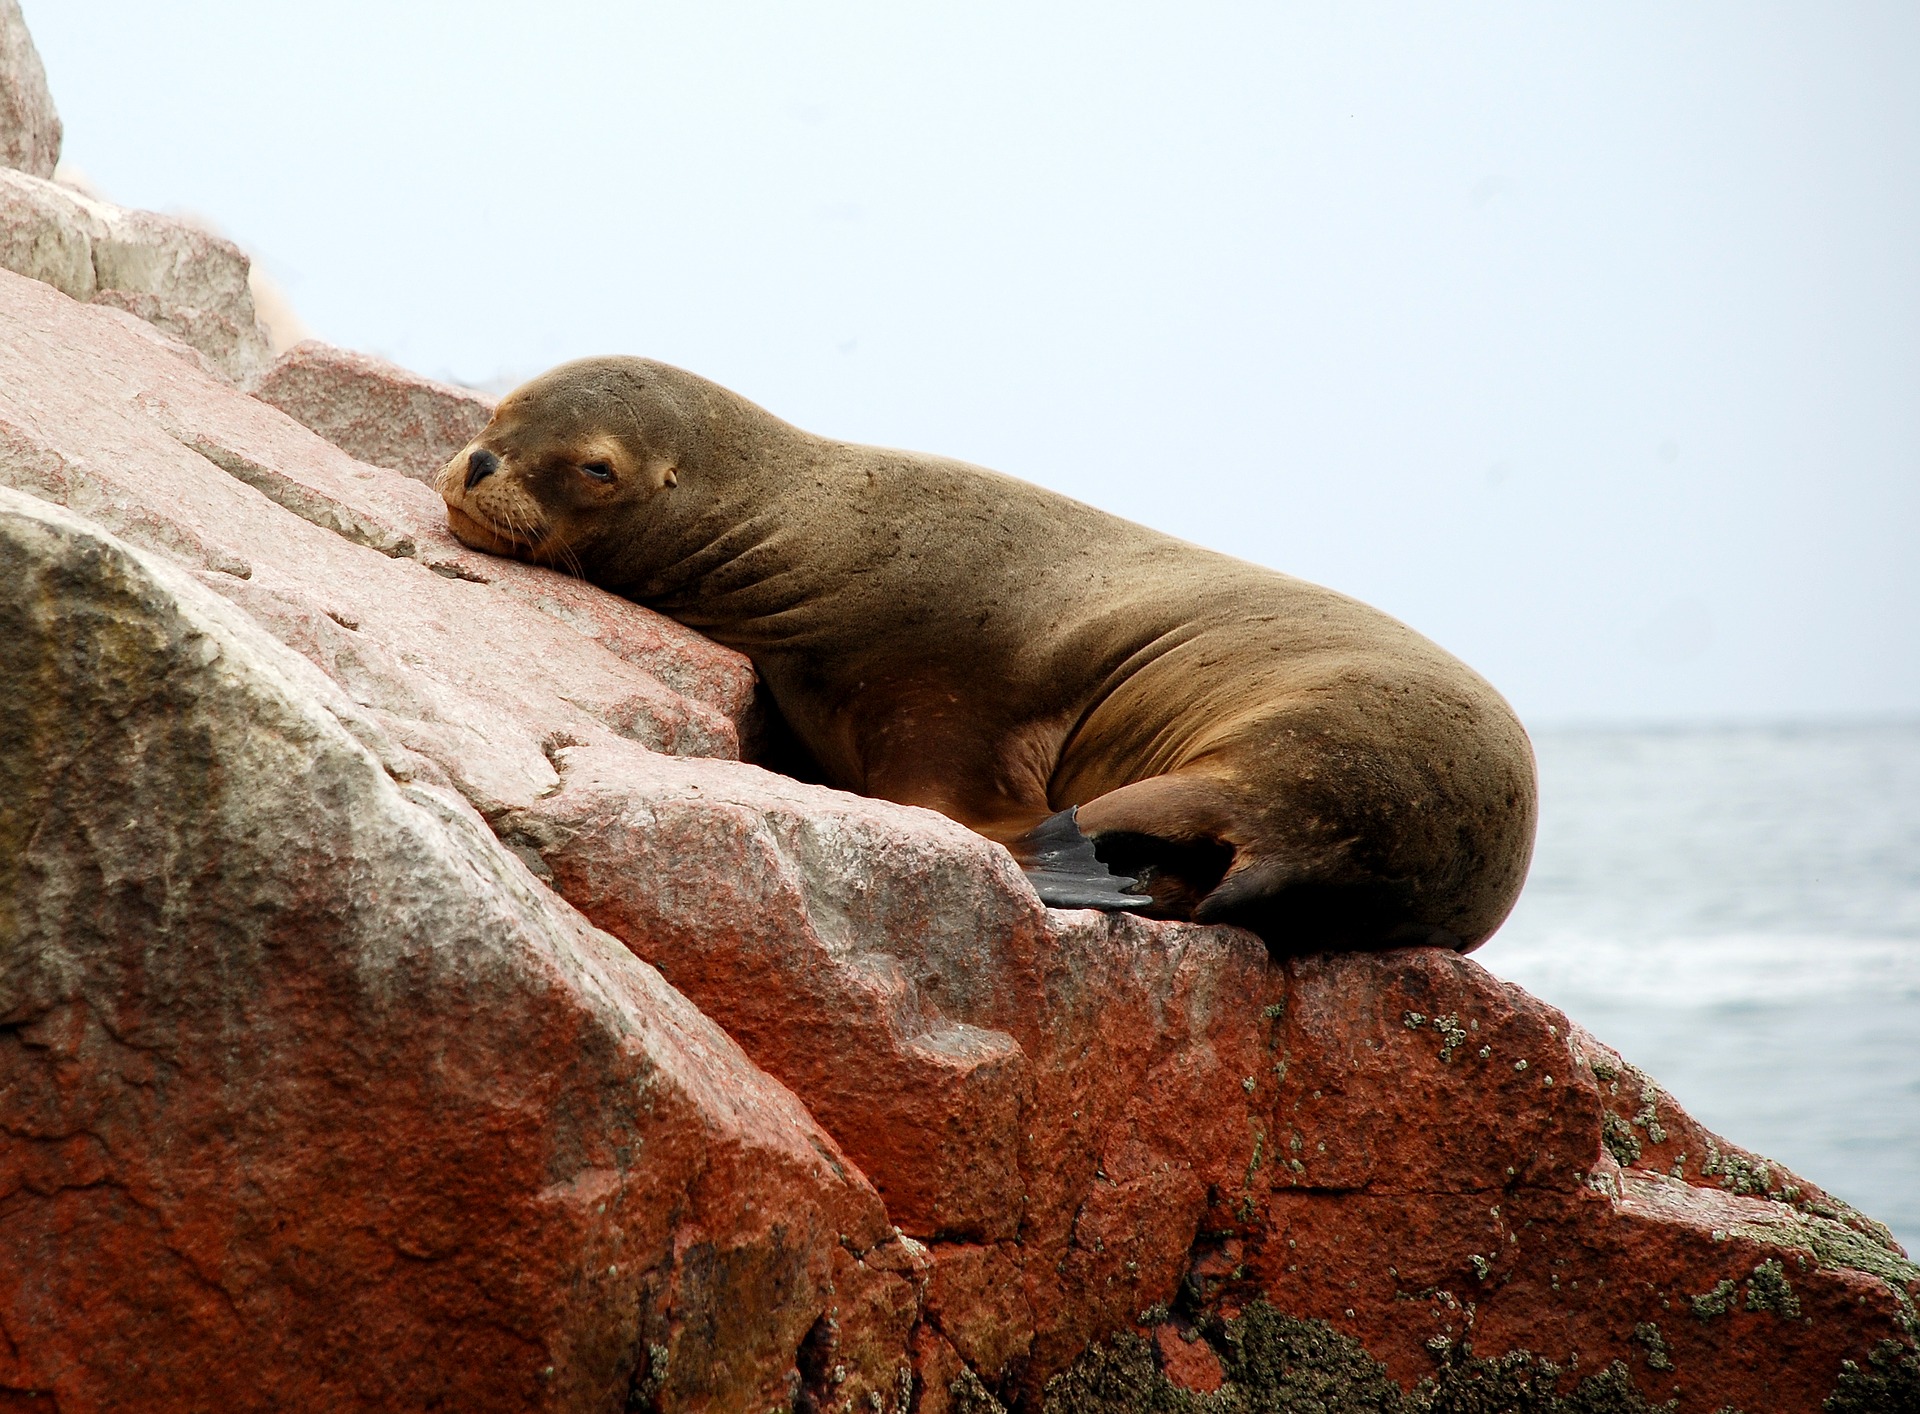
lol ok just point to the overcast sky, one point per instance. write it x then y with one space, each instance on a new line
1586 339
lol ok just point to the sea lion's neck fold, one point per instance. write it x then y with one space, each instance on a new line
719 551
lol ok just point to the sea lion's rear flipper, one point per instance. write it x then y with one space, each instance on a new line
1313 910
1060 864
1170 832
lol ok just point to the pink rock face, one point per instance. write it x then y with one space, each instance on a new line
482 665
1124 1155
374 410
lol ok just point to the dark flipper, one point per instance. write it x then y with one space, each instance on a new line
1060 864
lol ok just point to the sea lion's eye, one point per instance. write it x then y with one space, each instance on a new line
599 471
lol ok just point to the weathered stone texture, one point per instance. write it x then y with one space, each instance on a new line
312 1097
1088 1120
185 281
483 664
375 410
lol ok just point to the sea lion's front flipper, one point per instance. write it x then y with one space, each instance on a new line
1060 864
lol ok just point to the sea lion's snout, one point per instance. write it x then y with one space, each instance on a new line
480 465
489 506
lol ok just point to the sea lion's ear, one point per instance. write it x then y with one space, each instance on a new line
669 476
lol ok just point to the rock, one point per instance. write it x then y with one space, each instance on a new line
29 126
1187 1361
311 1096
46 233
234 349
1400 1148
374 410
188 282
181 279
351 565
1121 1152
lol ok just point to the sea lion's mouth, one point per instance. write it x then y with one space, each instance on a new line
478 534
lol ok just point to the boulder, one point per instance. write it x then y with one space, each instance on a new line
312 1097
179 278
1135 1163
374 410
1102 1125
46 232
29 126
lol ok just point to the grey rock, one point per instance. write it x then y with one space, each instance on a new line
185 281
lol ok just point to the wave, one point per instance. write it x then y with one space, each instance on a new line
1724 970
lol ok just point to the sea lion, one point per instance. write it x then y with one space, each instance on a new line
1112 704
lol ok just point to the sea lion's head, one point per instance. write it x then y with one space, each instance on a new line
566 457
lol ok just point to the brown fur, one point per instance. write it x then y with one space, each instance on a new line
1262 750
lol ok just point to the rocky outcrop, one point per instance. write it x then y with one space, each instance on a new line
304 1034
348 563
374 410
182 280
1104 1126
29 126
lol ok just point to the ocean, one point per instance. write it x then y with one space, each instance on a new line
1737 911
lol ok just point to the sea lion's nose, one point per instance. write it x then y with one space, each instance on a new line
480 466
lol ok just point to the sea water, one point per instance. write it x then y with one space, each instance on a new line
1737 911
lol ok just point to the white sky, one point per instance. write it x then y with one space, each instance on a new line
1584 338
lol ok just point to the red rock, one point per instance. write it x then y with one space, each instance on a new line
1482 1195
311 1097
943 1384
374 410
1163 1104
977 1303
1187 1361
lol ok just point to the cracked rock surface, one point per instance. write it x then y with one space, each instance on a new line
409 998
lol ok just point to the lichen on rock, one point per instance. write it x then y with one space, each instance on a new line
1769 1290
1278 1362
1713 1303
1888 1384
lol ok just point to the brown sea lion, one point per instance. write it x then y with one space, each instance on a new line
1248 747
